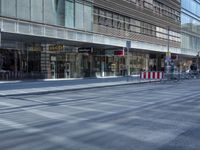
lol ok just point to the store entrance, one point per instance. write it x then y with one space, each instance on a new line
60 67
86 65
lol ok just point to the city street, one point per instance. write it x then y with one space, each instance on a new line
150 116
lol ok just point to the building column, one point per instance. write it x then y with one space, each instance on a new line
15 61
147 62
45 61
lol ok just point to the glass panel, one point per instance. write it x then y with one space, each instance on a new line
60 12
50 11
23 9
8 8
79 15
36 10
88 19
69 14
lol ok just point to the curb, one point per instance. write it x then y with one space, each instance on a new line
78 88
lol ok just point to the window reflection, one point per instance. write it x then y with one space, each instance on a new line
66 13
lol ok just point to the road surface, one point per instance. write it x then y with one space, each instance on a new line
154 116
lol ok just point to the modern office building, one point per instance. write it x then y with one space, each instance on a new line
87 38
190 23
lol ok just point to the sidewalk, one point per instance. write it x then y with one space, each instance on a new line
49 86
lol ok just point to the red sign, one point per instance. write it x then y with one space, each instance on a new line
119 53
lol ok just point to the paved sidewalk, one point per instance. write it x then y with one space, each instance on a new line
50 86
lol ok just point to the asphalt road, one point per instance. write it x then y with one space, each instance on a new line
136 117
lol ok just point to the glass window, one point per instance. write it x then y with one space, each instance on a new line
37 10
60 12
96 19
8 8
135 29
198 9
193 6
69 14
194 25
88 18
23 9
49 11
79 15
135 22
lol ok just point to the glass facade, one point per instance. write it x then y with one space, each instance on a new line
37 11
67 13
8 8
190 22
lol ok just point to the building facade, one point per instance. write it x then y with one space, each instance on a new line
190 24
86 38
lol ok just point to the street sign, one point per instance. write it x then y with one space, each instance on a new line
168 57
57 47
128 44
85 50
168 54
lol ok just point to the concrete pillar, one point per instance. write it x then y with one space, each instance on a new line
15 61
147 62
45 61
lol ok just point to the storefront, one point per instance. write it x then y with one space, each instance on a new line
56 61
138 62
11 63
110 62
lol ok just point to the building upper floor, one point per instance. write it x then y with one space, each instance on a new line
67 13
190 16
152 21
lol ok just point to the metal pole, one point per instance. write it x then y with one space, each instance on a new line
0 37
198 61
128 63
168 39
128 46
